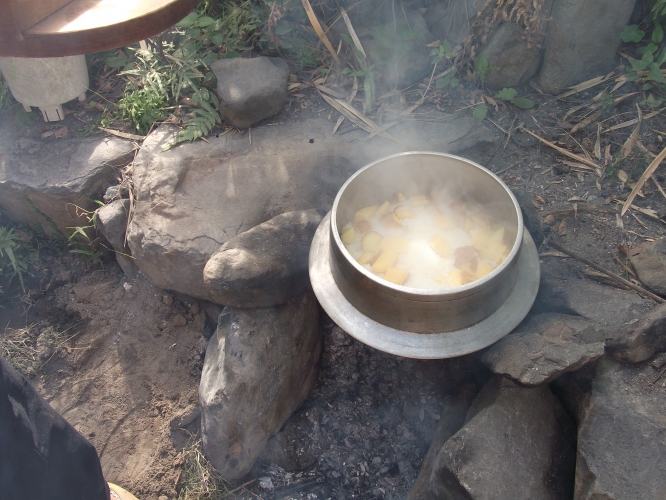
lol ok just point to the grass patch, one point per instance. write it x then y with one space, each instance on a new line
199 480
18 347
28 350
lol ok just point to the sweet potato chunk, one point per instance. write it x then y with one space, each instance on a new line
371 241
396 275
386 259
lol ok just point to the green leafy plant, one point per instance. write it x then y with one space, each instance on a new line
480 112
167 80
12 260
481 67
450 80
80 241
511 95
444 51
648 67
366 72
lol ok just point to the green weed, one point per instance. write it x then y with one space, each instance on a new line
511 95
13 262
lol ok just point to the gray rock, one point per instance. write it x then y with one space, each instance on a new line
399 51
451 20
621 437
512 62
193 198
116 192
544 348
516 443
645 337
649 261
298 444
45 188
451 419
608 307
260 366
266 265
250 90
583 37
112 222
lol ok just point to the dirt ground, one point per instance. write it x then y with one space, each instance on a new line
121 359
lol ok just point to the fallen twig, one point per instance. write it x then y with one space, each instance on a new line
661 373
646 175
124 135
608 273
561 150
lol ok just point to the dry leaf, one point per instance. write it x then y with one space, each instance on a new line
562 229
587 121
317 27
622 175
61 132
597 144
598 185
632 122
550 220
618 221
631 141
607 155
95 106
540 199
352 32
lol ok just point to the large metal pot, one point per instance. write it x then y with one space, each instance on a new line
418 322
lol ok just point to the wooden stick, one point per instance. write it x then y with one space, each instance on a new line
610 274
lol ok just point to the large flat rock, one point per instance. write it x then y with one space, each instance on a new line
42 183
544 348
622 436
195 197
517 443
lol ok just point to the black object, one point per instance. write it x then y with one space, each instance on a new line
42 457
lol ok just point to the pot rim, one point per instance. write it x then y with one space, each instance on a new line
442 293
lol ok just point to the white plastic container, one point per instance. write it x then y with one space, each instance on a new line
46 83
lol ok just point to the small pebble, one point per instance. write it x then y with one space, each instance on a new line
179 320
162 497
127 286
118 293
377 461
194 309
167 299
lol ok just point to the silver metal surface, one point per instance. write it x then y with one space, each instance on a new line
415 345
412 309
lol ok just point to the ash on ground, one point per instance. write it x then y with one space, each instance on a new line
365 429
